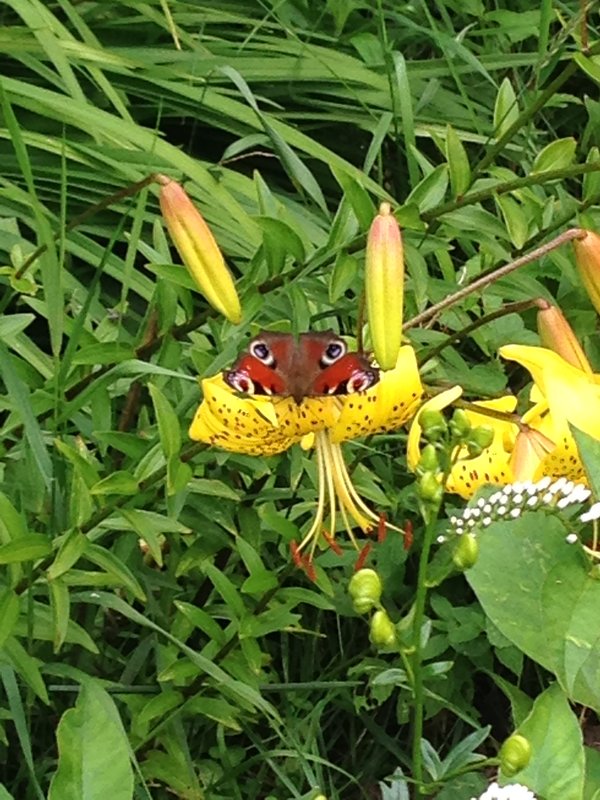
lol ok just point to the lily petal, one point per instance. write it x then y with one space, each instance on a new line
385 406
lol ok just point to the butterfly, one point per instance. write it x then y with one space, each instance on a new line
311 365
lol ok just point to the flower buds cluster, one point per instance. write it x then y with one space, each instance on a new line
365 590
515 498
384 287
198 249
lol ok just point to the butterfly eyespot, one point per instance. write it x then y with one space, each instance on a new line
262 352
333 352
240 382
360 381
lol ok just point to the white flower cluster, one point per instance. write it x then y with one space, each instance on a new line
515 498
514 791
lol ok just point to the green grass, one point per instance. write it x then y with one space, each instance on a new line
210 659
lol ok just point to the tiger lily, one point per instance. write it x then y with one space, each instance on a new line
535 445
266 425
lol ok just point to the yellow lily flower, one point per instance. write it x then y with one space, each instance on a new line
266 425
562 394
493 465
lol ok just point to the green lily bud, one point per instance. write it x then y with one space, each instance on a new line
365 590
430 489
198 249
460 427
433 424
428 460
514 754
384 287
587 259
465 552
383 632
556 334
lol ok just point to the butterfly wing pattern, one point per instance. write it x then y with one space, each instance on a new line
312 365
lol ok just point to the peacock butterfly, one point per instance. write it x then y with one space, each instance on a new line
311 365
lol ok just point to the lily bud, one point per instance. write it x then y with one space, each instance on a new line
429 461
460 426
465 552
587 259
429 489
479 439
433 424
198 249
514 754
383 632
365 590
384 287
556 334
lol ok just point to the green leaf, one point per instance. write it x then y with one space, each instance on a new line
539 591
458 163
26 548
589 450
69 553
120 482
169 433
60 603
557 765
343 276
108 561
93 749
556 155
280 241
144 528
506 109
514 219
9 614
103 353
431 190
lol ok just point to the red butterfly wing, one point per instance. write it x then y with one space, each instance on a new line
351 373
251 376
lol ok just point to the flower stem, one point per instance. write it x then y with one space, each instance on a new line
419 706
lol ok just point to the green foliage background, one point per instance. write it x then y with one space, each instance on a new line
208 666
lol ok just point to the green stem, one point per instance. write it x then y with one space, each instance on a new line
419 705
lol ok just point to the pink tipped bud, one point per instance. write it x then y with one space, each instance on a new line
531 447
198 249
587 258
556 334
384 286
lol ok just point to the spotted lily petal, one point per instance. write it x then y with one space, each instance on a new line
256 425
492 466
389 404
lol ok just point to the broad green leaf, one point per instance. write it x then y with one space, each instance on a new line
557 765
146 531
93 750
42 627
556 155
27 548
358 197
592 774
103 353
343 276
430 192
280 241
540 592
4 795
506 109
27 667
169 433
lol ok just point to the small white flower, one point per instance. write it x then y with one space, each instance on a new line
580 492
564 502
548 498
591 514
542 484
532 501
567 488
453 520
471 523
571 538
487 509
486 521
467 513
515 512
557 485
476 512
517 498
495 498
481 502
514 791
507 490
501 510
441 539
518 487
